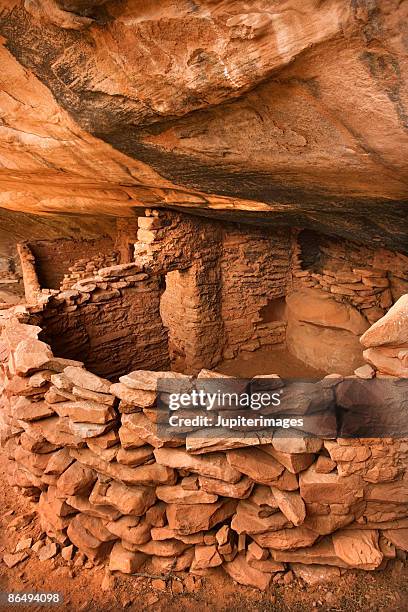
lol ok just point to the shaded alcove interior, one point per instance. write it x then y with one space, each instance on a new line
310 253
275 310
227 309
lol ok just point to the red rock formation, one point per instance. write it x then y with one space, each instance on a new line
292 113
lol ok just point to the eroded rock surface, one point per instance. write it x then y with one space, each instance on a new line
293 113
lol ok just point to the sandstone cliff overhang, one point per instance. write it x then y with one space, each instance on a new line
294 115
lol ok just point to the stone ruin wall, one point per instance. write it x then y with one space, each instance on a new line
54 258
32 288
255 271
58 264
111 321
203 286
88 452
86 267
219 279
369 279
109 253
185 253
126 236
10 281
206 291
227 287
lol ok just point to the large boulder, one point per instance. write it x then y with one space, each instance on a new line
324 333
391 330
386 342
388 360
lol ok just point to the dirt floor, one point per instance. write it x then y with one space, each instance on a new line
270 360
10 294
82 586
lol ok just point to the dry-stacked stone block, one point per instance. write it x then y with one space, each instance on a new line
85 268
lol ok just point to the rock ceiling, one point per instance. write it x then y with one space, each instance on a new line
270 111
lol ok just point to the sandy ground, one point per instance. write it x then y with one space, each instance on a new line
81 589
269 360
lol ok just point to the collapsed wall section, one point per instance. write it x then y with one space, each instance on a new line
61 262
86 267
53 258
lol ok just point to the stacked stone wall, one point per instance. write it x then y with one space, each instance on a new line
369 279
32 287
126 238
89 452
86 267
111 321
54 258
225 276
185 252
255 266
11 285
191 310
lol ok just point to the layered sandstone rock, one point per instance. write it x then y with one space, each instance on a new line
292 116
